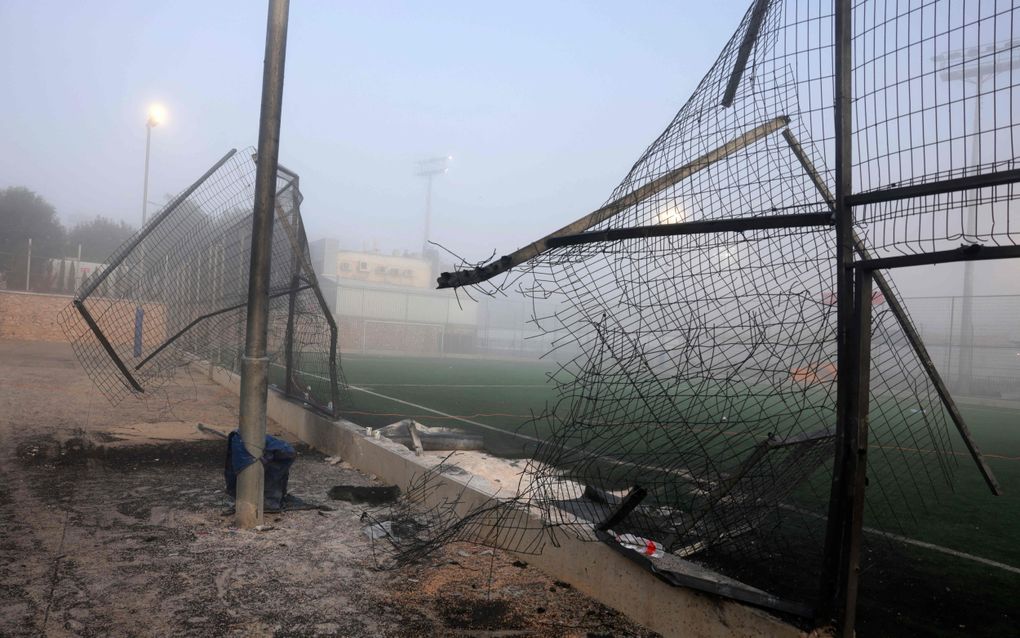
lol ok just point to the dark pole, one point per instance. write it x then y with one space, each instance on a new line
834 586
855 455
428 213
255 364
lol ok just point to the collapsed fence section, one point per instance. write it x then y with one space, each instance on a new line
722 376
177 290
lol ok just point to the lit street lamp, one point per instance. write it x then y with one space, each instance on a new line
157 115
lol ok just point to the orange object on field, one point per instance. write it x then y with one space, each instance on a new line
814 373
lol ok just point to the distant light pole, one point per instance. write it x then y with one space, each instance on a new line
974 65
157 115
428 169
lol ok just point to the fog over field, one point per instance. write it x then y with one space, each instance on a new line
543 107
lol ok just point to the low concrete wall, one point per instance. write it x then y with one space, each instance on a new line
592 568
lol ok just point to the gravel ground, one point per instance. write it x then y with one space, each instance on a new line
111 524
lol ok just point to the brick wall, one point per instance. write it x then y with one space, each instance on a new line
31 316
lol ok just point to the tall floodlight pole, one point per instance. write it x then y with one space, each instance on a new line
974 66
429 169
254 363
157 115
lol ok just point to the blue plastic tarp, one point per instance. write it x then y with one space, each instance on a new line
277 457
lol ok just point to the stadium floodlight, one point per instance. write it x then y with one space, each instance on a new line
974 65
430 168
978 63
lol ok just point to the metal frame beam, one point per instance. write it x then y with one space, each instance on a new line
969 182
738 225
209 315
967 252
758 14
536 248
103 341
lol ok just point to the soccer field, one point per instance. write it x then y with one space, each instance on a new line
966 540
489 397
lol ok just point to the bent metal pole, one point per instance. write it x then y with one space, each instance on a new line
254 364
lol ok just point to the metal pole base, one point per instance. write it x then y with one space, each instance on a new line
248 511
251 480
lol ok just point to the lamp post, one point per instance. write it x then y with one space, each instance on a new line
157 115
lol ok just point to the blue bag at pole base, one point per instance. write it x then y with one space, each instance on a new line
277 457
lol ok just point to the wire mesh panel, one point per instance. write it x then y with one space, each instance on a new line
176 292
935 88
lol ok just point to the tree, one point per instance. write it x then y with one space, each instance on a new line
98 238
25 215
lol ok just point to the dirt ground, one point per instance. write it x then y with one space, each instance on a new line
111 524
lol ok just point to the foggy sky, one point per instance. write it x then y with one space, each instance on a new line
544 106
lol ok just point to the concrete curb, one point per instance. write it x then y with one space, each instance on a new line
592 568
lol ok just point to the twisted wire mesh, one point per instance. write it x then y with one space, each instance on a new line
177 292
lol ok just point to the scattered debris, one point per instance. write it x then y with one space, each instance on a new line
432 439
639 544
412 428
202 427
375 531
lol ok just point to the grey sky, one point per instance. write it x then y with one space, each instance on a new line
543 105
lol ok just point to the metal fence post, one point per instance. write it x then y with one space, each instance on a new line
838 584
855 455
255 364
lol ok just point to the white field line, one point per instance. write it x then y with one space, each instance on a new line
916 543
426 408
871 530
944 550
